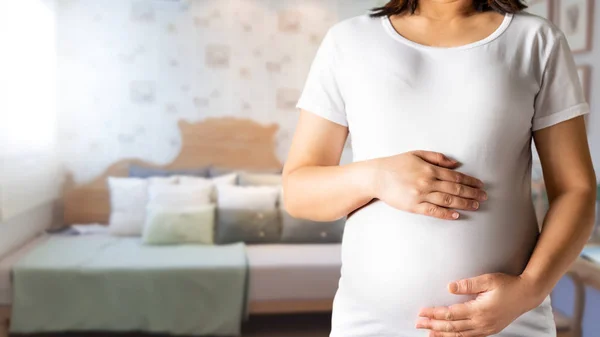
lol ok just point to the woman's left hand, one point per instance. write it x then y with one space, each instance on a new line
501 299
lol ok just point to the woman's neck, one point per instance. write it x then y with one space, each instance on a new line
445 10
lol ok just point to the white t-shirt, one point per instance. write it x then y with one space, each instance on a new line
477 103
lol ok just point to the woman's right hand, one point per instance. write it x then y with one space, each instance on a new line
426 183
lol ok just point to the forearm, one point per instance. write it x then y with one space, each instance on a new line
326 193
566 229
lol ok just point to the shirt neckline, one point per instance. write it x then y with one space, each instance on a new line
387 23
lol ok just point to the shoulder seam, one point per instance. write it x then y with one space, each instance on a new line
555 44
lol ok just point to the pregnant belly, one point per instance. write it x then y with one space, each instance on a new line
395 262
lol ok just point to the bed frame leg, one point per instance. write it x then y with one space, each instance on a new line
4 321
3 327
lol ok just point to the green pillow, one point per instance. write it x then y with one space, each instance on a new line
167 226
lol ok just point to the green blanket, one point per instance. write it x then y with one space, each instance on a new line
104 283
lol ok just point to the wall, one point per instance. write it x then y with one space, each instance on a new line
128 70
30 173
593 60
564 290
24 226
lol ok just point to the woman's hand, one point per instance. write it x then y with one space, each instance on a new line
424 182
501 299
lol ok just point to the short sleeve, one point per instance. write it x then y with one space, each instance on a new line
321 94
560 97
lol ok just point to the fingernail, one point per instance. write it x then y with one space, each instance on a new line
455 215
420 324
475 205
453 287
484 196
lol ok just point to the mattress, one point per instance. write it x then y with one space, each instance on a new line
293 271
6 266
119 284
277 272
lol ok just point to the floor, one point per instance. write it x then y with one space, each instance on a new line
288 326
258 326
313 325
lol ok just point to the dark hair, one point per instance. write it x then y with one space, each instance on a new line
395 7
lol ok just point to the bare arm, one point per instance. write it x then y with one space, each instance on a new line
312 176
501 298
419 181
571 184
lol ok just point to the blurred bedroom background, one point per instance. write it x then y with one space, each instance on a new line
109 106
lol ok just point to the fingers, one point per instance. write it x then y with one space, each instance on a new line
445 326
459 190
436 158
451 201
457 177
436 211
454 312
469 333
453 321
473 285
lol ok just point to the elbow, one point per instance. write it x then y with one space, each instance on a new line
589 190
585 194
584 188
592 185
290 200
287 200
290 203
292 209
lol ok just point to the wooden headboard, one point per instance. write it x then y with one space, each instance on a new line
222 142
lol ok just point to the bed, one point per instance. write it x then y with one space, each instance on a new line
6 265
103 282
287 278
282 278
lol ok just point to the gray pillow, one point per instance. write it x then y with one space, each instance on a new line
296 230
148 172
248 226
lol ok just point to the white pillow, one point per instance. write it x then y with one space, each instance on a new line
227 179
179 196
190 180
247 197
163 180
260 179
128 198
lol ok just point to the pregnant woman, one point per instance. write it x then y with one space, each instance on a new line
442 99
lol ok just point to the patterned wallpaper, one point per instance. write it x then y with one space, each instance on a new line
130 69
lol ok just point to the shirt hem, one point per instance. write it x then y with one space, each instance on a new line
325 113
558 117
